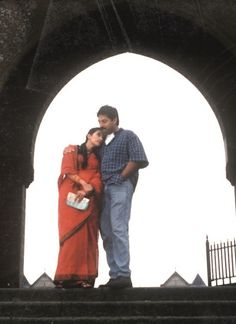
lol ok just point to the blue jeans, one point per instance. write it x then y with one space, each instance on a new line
114 226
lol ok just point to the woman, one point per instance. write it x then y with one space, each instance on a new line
78 229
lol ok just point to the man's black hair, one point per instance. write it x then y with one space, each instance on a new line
109 111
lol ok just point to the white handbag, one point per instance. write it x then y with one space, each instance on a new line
72 202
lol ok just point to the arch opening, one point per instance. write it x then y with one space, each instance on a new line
185 179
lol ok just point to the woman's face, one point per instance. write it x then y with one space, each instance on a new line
96 139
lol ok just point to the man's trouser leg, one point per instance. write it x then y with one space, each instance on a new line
115 227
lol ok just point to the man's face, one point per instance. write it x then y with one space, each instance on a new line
108 125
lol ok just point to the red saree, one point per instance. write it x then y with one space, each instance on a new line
78 230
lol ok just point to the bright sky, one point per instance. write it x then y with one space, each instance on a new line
181 197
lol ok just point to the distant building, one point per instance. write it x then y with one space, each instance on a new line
175 280
25 283
44 281
198 282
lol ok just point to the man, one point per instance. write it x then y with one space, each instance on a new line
122 155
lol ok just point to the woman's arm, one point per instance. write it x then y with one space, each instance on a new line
87 188
96 182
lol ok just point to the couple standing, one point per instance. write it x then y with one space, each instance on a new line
104 169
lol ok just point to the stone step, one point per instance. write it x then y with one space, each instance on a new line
138 305
121 320
118 308
130 294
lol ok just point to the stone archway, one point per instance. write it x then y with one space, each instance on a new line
51 41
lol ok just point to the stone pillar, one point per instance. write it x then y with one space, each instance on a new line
12 211
231 168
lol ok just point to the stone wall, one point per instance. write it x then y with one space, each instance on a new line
44 43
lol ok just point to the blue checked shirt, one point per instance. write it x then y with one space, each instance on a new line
123 148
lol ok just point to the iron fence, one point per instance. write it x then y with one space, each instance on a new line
221 263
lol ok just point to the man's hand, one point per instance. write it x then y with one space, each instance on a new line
69 149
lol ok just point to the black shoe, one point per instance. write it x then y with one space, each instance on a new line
121 282
106 285
118 283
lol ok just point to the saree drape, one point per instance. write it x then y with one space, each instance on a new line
78 230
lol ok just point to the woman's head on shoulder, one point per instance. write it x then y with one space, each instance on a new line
93 141
95 137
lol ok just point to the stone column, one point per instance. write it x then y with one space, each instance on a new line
12 211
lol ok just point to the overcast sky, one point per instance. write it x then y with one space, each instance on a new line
181 197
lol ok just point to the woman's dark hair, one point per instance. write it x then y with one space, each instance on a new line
81 149
110 112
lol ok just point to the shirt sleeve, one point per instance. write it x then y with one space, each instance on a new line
136 150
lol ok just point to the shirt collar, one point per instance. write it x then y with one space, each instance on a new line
109 138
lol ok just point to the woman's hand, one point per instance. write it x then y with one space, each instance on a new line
86 186
80 195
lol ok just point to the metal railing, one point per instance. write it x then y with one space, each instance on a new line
221 263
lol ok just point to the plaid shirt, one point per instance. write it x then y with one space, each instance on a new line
123 148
